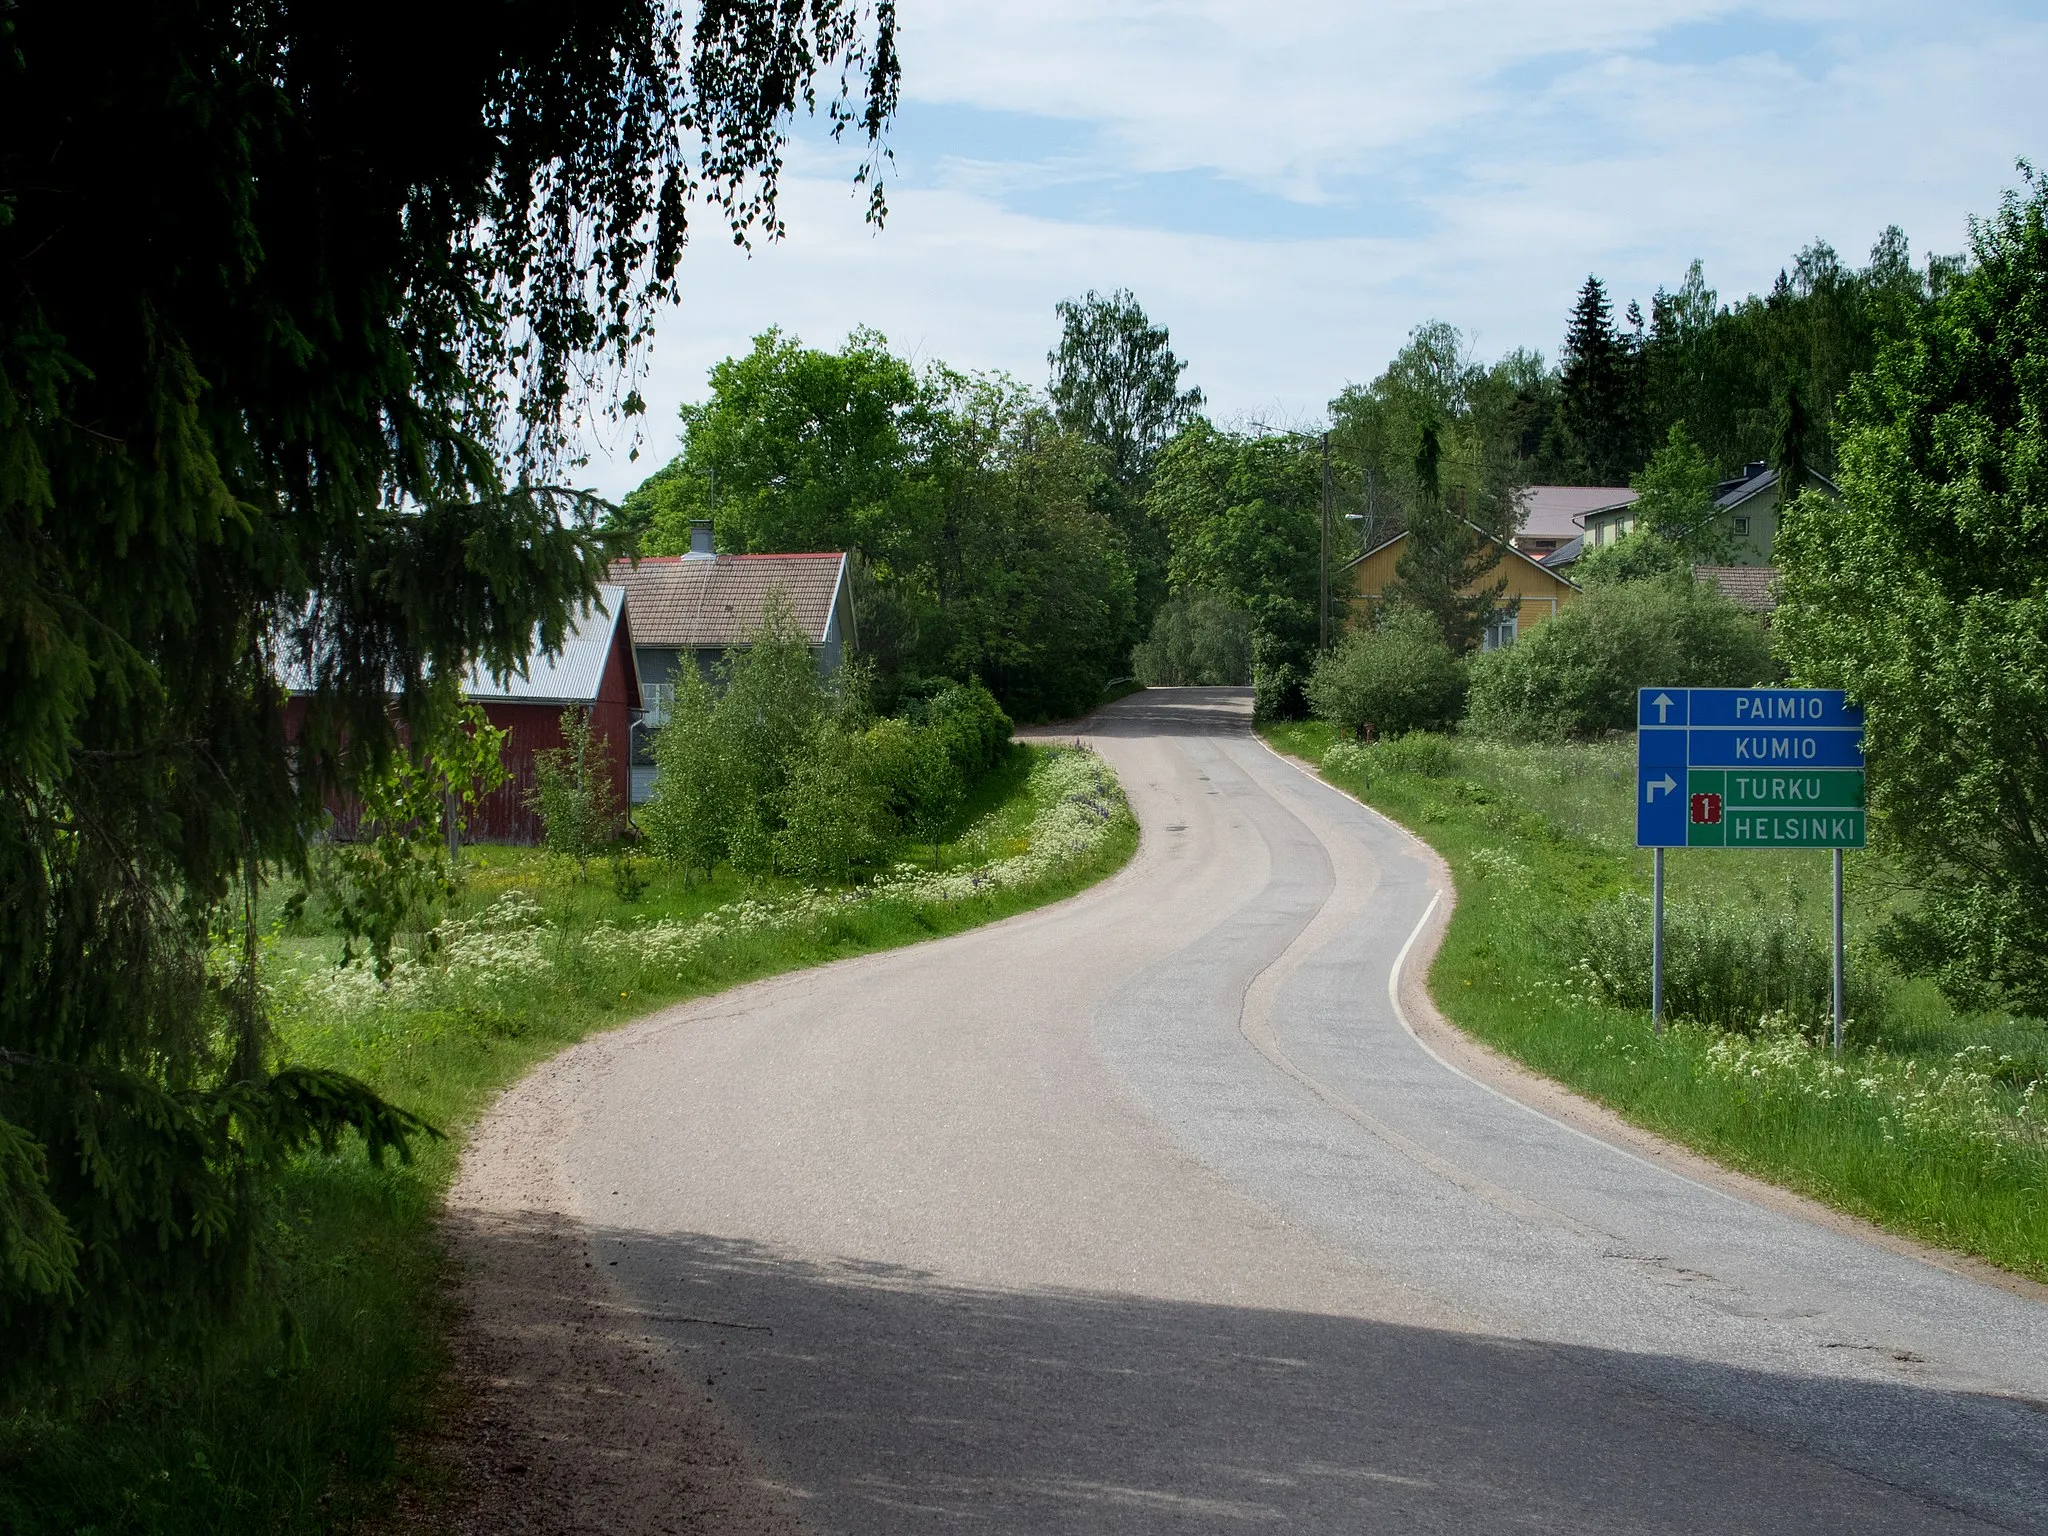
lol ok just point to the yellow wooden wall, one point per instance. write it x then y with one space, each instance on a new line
1542 593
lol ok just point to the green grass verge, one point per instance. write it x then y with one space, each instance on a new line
258 1428
1926 1129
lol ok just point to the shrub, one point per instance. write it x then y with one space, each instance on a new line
399 869
1577 675
573 793
1421 754
972 725
1731 968
688 822
835 811
1199 639
776 773
1394 678
1642 556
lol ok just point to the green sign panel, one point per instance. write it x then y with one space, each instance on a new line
1759 808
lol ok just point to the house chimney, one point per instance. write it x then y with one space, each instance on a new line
700 539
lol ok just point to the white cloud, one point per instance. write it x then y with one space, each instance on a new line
1474 162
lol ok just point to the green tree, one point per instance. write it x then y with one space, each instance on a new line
798 449
834 809
1395 677
1732 373
1924 593
1446 559
1488 422
687 820
771 705
574 794
1034 586
395 872
1199 639
275 291
1116 382
1576 675
1677 523
1603 390
1244 516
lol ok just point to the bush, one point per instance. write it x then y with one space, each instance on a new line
1421 754
972 725
1199 639
1729 968
573 793
914 771
1577 674
688 823
1392 679
835 813
775 773
1642 556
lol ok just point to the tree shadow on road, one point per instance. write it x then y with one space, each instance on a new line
881 1399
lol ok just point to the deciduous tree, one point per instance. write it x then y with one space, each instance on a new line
1924 593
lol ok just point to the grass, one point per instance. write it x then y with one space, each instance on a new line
301 1427
1929 1127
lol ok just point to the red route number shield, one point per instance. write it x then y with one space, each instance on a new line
1706 810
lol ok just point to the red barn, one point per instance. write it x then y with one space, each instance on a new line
595 670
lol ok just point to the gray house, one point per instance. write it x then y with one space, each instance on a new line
691 609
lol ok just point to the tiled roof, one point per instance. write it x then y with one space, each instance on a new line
571 677
699 604
1559 511
1747 586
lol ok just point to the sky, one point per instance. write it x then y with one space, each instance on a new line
1292 186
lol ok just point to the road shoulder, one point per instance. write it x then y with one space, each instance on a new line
1520 1084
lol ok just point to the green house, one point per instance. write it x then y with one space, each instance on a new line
1746 507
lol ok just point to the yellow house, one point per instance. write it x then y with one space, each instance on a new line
1534 593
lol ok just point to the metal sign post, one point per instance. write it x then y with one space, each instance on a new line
1747 768
1838 954
1657 945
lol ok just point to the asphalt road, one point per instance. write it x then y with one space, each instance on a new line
1147 1213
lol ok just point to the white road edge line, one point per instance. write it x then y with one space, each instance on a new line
1401 1015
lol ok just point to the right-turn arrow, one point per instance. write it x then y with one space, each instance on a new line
1667 784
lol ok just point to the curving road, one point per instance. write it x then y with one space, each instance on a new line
1147 1212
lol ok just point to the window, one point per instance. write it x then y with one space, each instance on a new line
1742 527
1502 631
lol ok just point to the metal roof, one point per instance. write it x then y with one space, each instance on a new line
1559 511
700 604
573 676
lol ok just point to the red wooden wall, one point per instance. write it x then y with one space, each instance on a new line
503 815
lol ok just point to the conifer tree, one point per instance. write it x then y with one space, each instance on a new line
1602 406
295 322
1446 558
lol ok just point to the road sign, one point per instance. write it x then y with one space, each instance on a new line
1749 768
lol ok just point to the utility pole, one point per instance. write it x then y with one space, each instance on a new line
1324 561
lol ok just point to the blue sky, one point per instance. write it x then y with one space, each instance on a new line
1292 187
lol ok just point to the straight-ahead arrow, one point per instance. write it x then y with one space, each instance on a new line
1663 701
1667 784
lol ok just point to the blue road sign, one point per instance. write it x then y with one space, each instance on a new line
1748 767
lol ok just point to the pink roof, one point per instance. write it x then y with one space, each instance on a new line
1558 511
